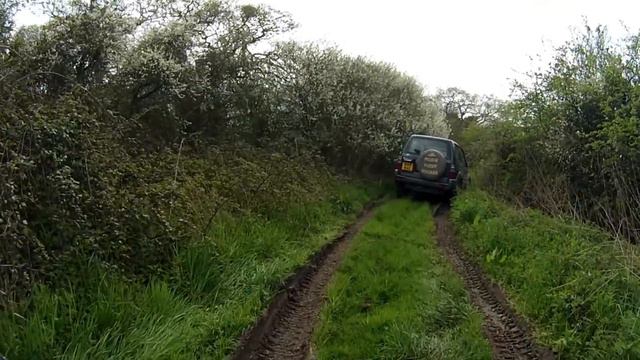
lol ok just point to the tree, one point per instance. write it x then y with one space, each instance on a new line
457 103
355 110
462 109
458 107
489 109
7 10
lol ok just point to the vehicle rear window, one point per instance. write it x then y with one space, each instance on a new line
417 145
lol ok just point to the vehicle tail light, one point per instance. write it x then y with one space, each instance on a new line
453 174
397 165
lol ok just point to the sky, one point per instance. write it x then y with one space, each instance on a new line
477 45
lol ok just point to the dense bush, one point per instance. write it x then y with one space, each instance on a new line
570 140
127 125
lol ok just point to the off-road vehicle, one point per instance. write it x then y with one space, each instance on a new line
431 165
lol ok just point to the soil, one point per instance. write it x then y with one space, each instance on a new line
508 333
285 329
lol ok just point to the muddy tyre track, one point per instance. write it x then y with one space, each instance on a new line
284 331
508 334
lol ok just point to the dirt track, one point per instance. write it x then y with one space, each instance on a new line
285 330
508 334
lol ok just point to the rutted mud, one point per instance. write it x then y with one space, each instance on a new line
508 334
285 330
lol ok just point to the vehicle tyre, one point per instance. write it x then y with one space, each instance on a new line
450 195
401 191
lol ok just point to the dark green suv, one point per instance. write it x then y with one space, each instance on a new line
431 165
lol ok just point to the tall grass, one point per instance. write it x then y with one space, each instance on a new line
580 288
395 297
216 289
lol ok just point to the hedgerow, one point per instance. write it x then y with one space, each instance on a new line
127 126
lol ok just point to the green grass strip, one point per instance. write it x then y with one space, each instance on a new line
579 287
396 297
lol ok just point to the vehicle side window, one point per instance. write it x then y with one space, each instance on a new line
456 159
460 160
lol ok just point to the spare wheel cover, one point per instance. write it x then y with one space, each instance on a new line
432 164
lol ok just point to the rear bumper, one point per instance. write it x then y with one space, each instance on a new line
425 186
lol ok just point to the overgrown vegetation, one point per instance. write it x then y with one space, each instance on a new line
211 292
569 142
164 166
128 125
395 296
580 288
566 144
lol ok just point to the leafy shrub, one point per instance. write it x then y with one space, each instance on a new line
570 141
128 126
68 199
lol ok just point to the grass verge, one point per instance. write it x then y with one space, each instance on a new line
216 288
396 297
579 287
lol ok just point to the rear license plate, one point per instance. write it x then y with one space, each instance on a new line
407 166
